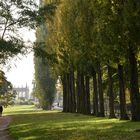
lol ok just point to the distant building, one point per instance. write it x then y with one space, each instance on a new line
22 92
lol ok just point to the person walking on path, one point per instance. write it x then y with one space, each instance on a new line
1 110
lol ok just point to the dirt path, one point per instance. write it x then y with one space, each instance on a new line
4 122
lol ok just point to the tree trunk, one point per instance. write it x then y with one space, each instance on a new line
123 114
64 93
95 94
87 89
67 93
70 92
134 88
100 88
83 95
78 89
73 91
111 94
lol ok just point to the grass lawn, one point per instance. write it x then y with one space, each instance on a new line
31 124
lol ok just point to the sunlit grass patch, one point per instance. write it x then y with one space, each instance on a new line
18 109
32 124
23 109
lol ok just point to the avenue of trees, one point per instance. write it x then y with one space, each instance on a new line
94 46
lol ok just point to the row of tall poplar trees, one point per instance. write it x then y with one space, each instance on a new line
44 80
96 45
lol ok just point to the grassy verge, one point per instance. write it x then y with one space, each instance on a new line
31 124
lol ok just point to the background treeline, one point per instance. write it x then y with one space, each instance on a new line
45 82
94 47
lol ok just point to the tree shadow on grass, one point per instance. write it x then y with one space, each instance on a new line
62 126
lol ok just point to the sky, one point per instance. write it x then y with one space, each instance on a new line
22 70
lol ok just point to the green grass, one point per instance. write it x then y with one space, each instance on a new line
31 124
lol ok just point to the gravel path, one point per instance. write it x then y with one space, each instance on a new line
4 122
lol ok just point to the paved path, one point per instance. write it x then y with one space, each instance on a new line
4 122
